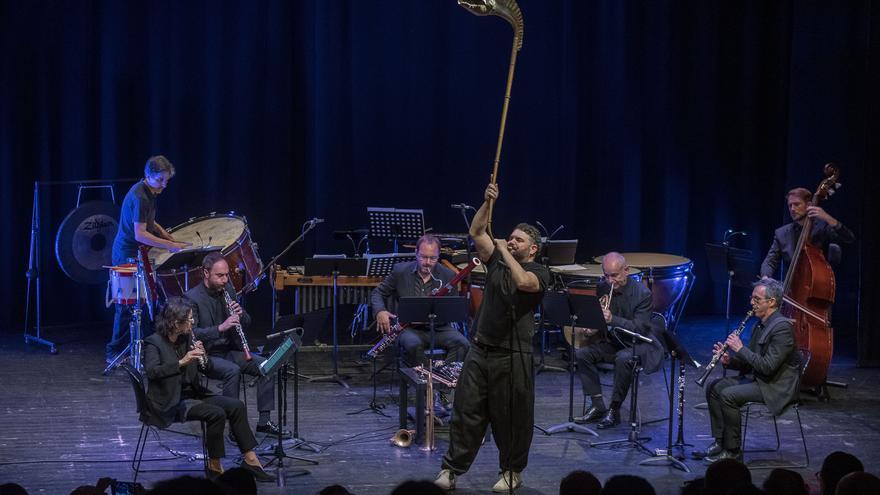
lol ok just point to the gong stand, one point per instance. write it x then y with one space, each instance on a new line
78 221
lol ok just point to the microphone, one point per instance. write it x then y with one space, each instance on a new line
297 330
200 238
461 206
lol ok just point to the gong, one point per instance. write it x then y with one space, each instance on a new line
85 240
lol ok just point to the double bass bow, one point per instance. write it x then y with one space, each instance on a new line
809 288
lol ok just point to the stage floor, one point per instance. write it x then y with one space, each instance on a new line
63 424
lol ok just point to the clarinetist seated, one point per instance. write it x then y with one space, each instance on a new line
217 324
629 306
174 392
768 366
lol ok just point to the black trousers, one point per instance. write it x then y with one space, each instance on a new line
725 397
483 398
214 411
229 366
606 352
414 341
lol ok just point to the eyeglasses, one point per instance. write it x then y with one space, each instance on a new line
428 258
759 299
190 320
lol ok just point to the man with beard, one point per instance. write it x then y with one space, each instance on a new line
215 325
826 229
418 278
138 226
496 386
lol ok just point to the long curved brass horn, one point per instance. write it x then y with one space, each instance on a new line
508 10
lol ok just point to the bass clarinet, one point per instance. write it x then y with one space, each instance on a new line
391 337
717 356
244 343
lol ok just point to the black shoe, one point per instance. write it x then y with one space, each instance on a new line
725 454
611 419
271 429
592 414
258 472
711 451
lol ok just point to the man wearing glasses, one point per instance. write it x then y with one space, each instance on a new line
768 366
421 277
629 308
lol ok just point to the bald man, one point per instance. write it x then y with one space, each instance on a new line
630 309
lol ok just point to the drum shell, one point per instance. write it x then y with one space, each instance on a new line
122 286
239 251
667 275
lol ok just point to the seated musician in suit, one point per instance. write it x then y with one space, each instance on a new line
215 325
418 278
175 393
825 230
769 368
629 308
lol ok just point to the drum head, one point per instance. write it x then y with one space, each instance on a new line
588 275
651 260
214 230
84 241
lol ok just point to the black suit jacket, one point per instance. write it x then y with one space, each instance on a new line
403 282
165 380
631 309
785 241
208 313
773 358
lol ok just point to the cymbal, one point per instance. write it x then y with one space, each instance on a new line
84 241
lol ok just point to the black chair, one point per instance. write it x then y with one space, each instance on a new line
793 405
144 410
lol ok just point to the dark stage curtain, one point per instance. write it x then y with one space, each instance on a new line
640 126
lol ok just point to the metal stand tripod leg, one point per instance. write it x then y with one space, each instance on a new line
33 275
335 377
278 454
633 439
665 457
570 425
374 406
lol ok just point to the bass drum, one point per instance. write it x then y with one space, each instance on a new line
226 230
668 276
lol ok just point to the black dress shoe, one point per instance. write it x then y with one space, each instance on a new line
592 414
272 429
725 454
258 472
611 419
711 451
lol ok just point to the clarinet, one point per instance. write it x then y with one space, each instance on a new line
717 356
244 343
203 360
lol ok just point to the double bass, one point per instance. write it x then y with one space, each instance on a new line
809 288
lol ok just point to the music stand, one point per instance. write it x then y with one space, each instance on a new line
734 266
335 267
395 224
561 251
578 310
380 265
664 457
432 309
278 361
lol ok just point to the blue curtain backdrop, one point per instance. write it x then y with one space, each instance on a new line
639 126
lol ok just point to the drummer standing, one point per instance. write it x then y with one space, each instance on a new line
137 225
